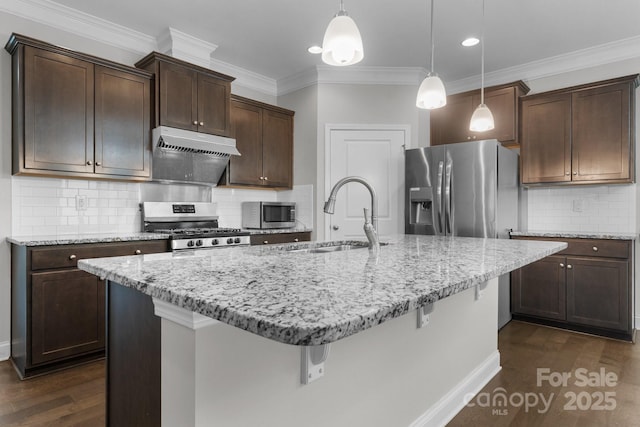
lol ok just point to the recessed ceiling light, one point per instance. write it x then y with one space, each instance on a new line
471 41
315 49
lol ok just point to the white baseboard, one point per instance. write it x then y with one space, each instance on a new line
450 404
5 350
636 322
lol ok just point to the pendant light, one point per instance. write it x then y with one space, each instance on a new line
482 119
342 44
431 93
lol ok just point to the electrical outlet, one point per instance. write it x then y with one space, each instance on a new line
81 202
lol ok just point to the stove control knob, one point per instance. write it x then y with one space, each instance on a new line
214 242
190 243
236 240
199 243
229 241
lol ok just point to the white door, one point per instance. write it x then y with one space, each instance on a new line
377 156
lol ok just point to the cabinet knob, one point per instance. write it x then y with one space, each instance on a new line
266 242
98 164
575 173
561 265
201 123
569 266
195 122
468 137
296 240
595 249
567 173
261 178
266 179
89 162
474 137
138 252
336 227
72 257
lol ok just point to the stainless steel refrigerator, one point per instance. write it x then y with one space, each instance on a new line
468 189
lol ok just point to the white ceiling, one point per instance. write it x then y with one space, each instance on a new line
271 37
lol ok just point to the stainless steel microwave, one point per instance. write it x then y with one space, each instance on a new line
268 215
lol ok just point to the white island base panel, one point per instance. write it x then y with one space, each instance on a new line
393 374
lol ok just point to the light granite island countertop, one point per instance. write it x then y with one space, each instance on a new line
316 339
311 299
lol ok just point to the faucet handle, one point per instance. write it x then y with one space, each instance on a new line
367 216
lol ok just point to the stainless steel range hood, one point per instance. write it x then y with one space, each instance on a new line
190 157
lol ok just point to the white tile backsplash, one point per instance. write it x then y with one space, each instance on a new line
604 208
47 206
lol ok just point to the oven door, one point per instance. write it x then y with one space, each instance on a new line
278 215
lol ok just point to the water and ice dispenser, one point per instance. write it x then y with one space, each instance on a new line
421 206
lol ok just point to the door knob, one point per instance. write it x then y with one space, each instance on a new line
336 227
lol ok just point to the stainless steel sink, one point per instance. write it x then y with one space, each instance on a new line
328 247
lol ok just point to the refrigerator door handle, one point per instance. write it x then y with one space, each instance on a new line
439 188
448 208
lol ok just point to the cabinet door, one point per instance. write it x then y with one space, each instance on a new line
602 133
247 129
502 103
178 97
67 315
122 123
538 289
598 292
277 148
213 105
546 139
58 112
450 124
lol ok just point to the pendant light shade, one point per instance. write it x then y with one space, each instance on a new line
482 119
342 43
431 93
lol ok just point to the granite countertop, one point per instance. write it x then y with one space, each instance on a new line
577 235
313 298
279 230
70 239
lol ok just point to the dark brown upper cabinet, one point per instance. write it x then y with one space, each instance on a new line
264 137
450 124
75 115
189 97
580 135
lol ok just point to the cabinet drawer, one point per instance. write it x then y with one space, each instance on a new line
590 247
598 248
65 256
268 239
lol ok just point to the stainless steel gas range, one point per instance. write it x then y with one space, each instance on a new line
190 225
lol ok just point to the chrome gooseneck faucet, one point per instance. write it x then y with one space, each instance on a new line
370 225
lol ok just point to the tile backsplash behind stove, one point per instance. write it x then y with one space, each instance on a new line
52 206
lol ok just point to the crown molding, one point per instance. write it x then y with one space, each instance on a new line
595 56
245 78
71 20
394 76
186 47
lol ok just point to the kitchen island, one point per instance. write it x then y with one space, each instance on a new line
293 301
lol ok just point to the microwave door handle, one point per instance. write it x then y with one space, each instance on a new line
439 190
448 199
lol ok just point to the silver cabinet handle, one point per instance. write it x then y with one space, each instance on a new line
98 164
195 122
72 257
89 162
138 252
561 265
296 240
569 266
261 178
266 179
266 242
595 249
201 123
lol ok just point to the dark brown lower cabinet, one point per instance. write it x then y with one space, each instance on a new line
269 239
586 287
57 310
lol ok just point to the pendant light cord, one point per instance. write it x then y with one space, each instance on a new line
432 40
482 60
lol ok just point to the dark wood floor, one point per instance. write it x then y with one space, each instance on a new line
524 348
75 397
